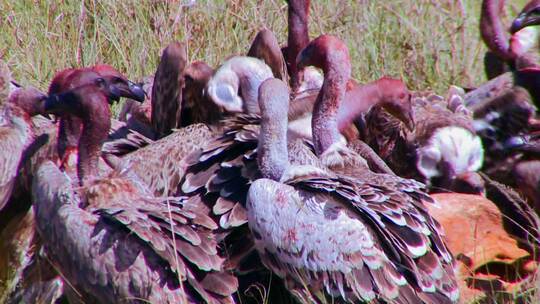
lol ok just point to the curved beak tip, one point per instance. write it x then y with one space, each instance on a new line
51 104
137 92
517 25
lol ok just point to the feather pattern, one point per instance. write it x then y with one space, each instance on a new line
396 219
16 136
123 238
161 165
396 248
127 243
13 141
219 174
319 230
400 148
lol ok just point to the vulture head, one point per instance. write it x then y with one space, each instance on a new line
235 84
90 104
325 52
82 100
30 100
448 154
72 78
125 87
530 15
396 100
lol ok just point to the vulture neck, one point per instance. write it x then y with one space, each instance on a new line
298 35
272 147
69 132
358 100
96 125
492 30
325 113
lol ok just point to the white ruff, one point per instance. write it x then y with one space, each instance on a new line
238 73
456 146
525 39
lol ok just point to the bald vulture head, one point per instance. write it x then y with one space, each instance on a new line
236 82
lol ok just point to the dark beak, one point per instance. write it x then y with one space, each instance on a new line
515 142
127 89
518 23
522 21
137 92
16 84
469 182
53 105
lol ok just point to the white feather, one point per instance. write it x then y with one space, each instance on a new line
458 147
239 74
525 39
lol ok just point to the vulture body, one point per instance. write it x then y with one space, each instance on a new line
111 238
295 211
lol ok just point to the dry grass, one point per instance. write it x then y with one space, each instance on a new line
429 43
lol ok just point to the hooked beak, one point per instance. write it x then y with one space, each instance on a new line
515 142
469 182
137 91
15 84
522 21
53 105
129 90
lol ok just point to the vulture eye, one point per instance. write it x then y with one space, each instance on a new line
100 82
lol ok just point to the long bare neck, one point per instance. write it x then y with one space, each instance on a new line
94 133
357 101
68 134
493 31
272 147
325 113
298 34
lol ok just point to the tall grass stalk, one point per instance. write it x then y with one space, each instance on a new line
431 44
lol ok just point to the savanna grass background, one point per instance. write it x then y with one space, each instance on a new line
431 44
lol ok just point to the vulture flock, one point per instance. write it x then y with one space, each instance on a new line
275 178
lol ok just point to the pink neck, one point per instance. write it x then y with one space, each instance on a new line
492 30
94 133
298 34
325 113
68 134
357 101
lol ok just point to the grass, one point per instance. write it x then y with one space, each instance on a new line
431 44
